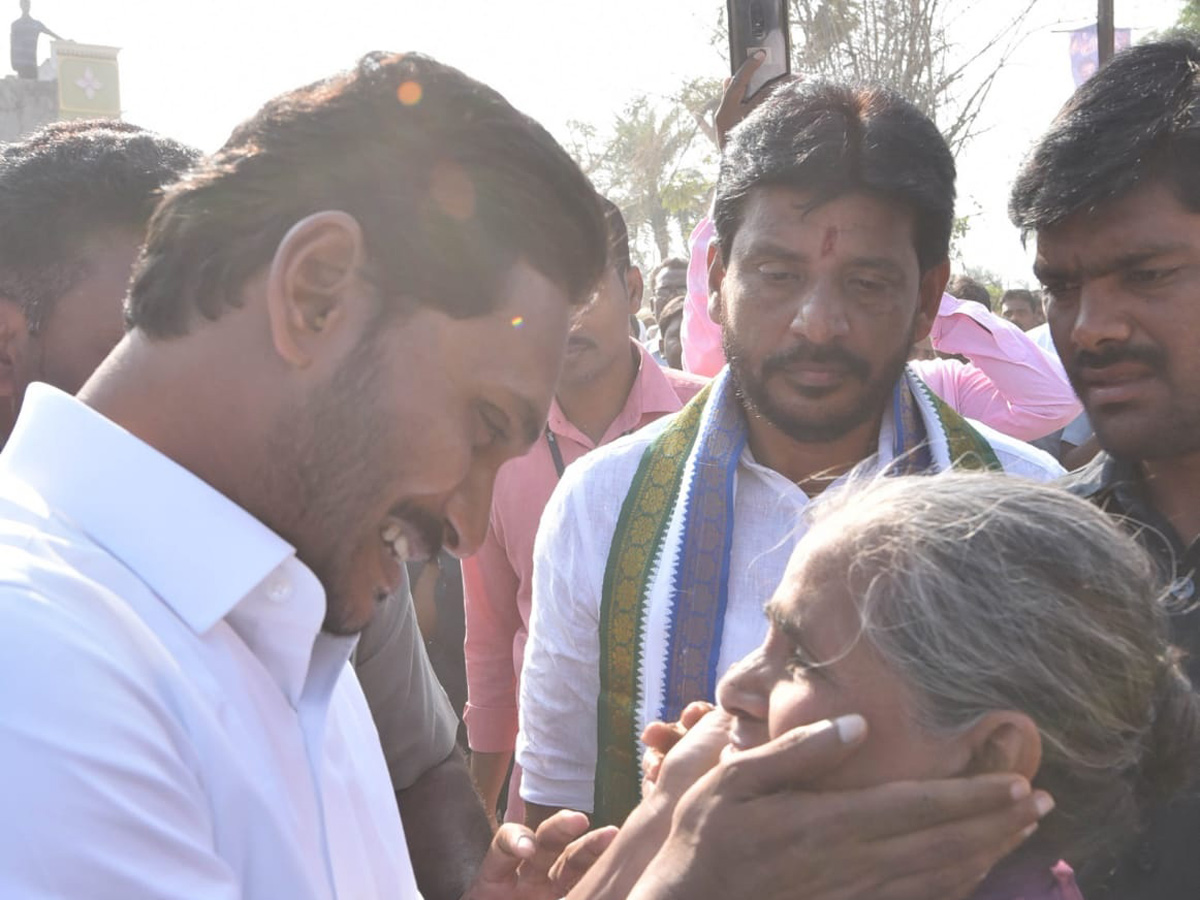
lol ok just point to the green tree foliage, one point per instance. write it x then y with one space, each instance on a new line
1189 16
655 163
989 279
904 44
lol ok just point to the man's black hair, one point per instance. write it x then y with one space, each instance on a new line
1135 121
618 236
450 184
829 140
671 262
964 287
1025 296
671 309
66 183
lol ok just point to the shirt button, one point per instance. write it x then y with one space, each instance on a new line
279 589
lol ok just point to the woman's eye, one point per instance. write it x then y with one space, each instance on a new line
798 662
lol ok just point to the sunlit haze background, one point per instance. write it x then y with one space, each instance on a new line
194 70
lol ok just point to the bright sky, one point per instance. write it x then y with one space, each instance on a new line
193 71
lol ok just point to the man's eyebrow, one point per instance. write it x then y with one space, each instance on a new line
879 263
1131 259
770 248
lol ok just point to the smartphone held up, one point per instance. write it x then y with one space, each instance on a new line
760 25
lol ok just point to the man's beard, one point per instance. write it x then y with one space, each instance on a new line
752 387
323 453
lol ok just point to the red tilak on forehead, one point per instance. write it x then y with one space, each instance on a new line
829 244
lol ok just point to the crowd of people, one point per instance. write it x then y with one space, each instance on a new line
795 568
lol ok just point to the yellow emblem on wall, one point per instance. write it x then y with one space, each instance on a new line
88 80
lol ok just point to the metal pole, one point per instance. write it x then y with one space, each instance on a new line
1104 31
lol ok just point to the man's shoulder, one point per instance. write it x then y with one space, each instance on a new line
615 463
1019 458
685 384
1094 478
587 502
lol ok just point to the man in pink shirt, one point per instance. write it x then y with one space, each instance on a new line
609 387
1008 382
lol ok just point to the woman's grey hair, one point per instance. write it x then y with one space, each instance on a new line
986 592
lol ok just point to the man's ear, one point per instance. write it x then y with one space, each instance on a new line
14 345
1005 741
634 287
933 285
716 278
314 285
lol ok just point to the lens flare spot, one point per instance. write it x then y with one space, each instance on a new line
518 321
409 93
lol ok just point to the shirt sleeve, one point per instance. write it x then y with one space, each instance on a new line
560 682
493 618
703 353
1009 382
416 723
101 789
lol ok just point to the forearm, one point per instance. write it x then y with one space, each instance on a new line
446 828
1009 382
489 771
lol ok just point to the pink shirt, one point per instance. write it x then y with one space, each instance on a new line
702 350
497 580
1010 383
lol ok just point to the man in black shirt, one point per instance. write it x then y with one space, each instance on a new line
1112 193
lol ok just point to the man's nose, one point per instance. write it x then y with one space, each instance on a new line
468 512
1101 316
820 315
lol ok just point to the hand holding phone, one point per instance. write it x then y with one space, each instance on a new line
760 26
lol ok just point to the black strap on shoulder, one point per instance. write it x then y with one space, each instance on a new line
559 466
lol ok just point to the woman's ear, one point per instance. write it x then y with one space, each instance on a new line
1005 742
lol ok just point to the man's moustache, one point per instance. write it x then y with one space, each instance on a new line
1148 356
822 356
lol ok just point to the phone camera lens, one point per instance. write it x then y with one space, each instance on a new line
758 21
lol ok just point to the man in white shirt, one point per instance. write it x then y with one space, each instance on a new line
75 201
341 325
833 213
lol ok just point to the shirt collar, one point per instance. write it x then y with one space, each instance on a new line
196 549
652 393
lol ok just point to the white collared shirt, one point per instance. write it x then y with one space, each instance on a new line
560 688
173 722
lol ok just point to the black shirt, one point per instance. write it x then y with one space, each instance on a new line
1165 862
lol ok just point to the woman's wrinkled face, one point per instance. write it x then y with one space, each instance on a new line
816 664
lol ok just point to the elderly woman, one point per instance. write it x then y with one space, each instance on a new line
980 624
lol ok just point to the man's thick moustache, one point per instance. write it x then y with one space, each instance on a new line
1086 359
808 353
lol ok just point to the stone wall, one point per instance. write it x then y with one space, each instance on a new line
26 105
